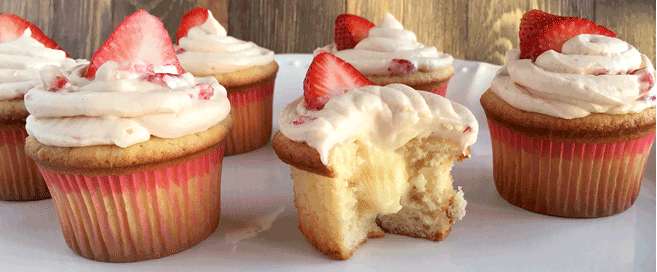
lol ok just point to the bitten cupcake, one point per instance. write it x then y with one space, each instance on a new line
24 52
369 159
245 69
132 151
572 119
387 53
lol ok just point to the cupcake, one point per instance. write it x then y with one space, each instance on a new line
25 52
245 69
572 119
387 53
131 148
369 159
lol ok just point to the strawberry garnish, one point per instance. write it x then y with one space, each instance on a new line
401 67
329 76
12 27
541 31
531 24
194 17
139 41
205 91
349 30
53 78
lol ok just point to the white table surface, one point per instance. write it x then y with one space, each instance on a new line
494 235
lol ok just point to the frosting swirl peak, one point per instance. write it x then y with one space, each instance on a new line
207 50
386 42
22 59
592 74
123 108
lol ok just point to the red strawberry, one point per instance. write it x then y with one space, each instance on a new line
205 91
53 78
401 67
557 33
531 24
139 41
12 27
329 76
541 31
349 30
194 17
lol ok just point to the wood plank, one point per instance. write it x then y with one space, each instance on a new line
219 9
284 25
633 21
435 23
493 25
80 26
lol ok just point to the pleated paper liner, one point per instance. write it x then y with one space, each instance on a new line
251 109
438 87
145 213
20 179
567 178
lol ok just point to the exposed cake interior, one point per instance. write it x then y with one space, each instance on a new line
405 191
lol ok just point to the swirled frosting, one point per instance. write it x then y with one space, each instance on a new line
207 49
22 59
387 116
123 108
591 74
386 42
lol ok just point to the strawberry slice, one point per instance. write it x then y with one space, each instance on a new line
349 30
541 31
12 27
329 76
194 17
531 24
139 41
555 34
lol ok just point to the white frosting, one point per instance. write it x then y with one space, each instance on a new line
385 42
592 74
208 50
22 59
386 116
122 108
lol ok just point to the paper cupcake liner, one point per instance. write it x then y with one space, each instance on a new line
140 214
441 89
567 178
251 109
19 177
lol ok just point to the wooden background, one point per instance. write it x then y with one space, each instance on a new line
476 29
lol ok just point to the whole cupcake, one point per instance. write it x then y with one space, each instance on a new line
387 53
245 69
25 51
132 151
572 119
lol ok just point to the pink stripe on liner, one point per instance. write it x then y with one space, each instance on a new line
19 177
251 94
567 178
567 149
145 214
251 111
441 89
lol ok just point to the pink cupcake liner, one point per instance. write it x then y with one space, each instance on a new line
567 178
19 177
441 89
251 110
144 213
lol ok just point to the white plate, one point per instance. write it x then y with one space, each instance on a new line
494 235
